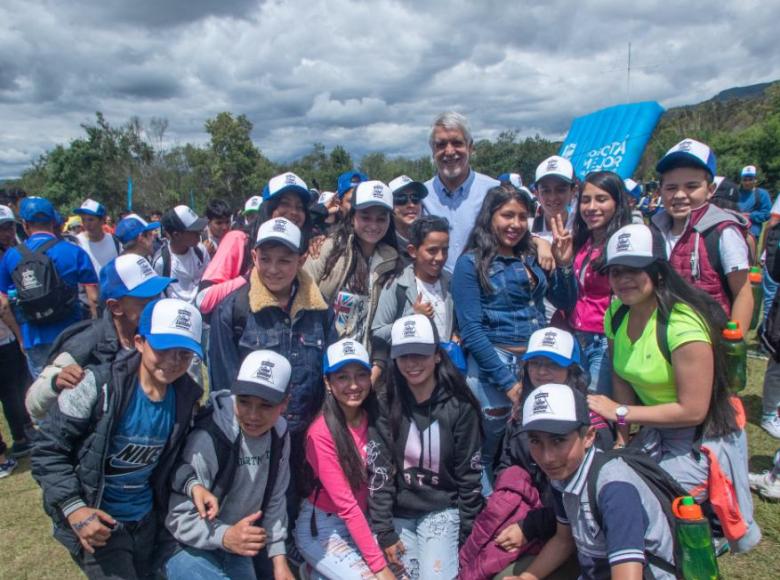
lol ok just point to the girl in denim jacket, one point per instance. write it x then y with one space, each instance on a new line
498 288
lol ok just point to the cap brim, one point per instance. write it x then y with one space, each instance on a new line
563 178
305 193
81 211
5 220
674 159
151 288
342 363
169 341
637 262
152 226
252 389
424 349
555 357
414 186
373 203
278 240
552 426
197 226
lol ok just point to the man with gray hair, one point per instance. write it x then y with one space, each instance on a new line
456 191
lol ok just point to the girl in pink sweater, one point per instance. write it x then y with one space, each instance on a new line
332 532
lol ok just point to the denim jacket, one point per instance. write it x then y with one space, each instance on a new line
508 315
301 335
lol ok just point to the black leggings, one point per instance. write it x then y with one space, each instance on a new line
14 380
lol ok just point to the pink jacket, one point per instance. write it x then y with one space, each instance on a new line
593 292
513 497
224 271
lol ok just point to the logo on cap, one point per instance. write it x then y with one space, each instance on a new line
280 226
541 404
289 179
348 348
550 338
624 243
685 145
552 164
377 192
410 329
145 266
266 371
183 320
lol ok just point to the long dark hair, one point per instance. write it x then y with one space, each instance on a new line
269 206
342 234
613 184
350 461
400 398
671 289
484 242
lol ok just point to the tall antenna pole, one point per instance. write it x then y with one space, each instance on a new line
628 75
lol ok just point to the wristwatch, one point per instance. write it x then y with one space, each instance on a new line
621 412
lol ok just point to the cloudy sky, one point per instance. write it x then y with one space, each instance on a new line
369 75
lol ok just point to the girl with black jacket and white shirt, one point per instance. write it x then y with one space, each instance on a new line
424 458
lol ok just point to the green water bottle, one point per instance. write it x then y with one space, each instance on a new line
736 356
695 553
758 294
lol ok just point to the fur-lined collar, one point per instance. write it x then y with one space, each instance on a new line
308 296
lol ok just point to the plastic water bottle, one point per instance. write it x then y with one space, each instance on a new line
12 295
736 356
696 555
758 295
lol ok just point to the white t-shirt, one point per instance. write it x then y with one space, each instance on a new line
733 249
433 294
187 269
101 253
776 206
545 233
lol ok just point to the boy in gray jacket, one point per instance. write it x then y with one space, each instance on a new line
239 452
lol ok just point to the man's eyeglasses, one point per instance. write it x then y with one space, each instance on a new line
404 198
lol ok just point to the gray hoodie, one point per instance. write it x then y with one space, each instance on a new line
245 495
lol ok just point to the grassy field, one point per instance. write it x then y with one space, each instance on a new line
29 552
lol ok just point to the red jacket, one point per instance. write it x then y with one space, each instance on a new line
513 497
690 257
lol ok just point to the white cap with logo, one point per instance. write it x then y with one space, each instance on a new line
343 352
280 230
633 246
372 193
413 334
264 374
555 166
555 408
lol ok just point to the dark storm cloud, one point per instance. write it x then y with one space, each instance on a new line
367 75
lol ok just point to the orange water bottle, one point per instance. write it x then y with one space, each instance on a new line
758 294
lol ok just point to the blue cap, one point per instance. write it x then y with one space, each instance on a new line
342 353
513 178
347 181
172 323
555 344
131 275
132 226
91 207
633 188
286 182
37 210
688 152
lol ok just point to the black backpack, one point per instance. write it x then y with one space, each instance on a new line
227 453
42 295
663 486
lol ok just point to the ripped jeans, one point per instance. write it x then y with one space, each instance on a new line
431 544
496 411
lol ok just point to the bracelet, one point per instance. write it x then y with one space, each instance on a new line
78 526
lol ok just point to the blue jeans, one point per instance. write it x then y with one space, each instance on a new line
496 411
770 289
595 360
431 543
37 356
194 564
333 553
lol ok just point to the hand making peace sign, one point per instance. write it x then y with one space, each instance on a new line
563 245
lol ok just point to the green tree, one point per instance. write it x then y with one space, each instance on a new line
233 157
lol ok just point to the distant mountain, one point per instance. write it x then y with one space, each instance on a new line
749 92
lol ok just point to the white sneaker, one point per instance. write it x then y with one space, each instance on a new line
767 486
8 467
771 424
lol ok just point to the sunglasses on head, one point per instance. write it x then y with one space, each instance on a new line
404 198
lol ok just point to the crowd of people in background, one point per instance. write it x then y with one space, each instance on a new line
448 379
